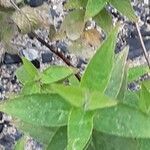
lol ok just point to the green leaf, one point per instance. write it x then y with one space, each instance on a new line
73 24
80 125
42 109
40 133
104 20
59 140
144 102
31 88
94 7
124 85
75 4
20 145
136 72
125 8
117 74
27 72
123 121
80 97
56 73
100 66
111 142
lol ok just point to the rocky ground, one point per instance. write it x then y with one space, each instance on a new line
41 57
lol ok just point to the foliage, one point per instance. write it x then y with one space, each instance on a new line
99 111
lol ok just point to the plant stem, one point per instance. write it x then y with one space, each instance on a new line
56 52
143 45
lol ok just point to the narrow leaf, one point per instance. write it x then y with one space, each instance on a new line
117 74
100 66
80 125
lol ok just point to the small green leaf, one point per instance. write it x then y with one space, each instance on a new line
144 102
59 140
136 72
125 8
94 7
41 133
43 109
117 74
20 145
101 65
80 125
104 20
56 73
27 72
123 121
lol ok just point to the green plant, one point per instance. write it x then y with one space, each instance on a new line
96 113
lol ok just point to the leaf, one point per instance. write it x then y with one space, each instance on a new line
73 24
31 88
136 72
117 74
43 109
73 81
104 20
144 102
21 143
80 125
111 142
59 140
56 73
100 66
28 19
124 85
27 72
124 121
125 8
75 4
94 7
40 133
80 97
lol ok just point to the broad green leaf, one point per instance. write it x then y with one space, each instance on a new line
73 24
27 72
94 7
42 109
20 145
80 126
100 66
117 74
40 133
111 142
123 121
80 97
75 4
144 102
136 72
104 20
59 140
146 84
31 88
125 8
73 81
56 73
